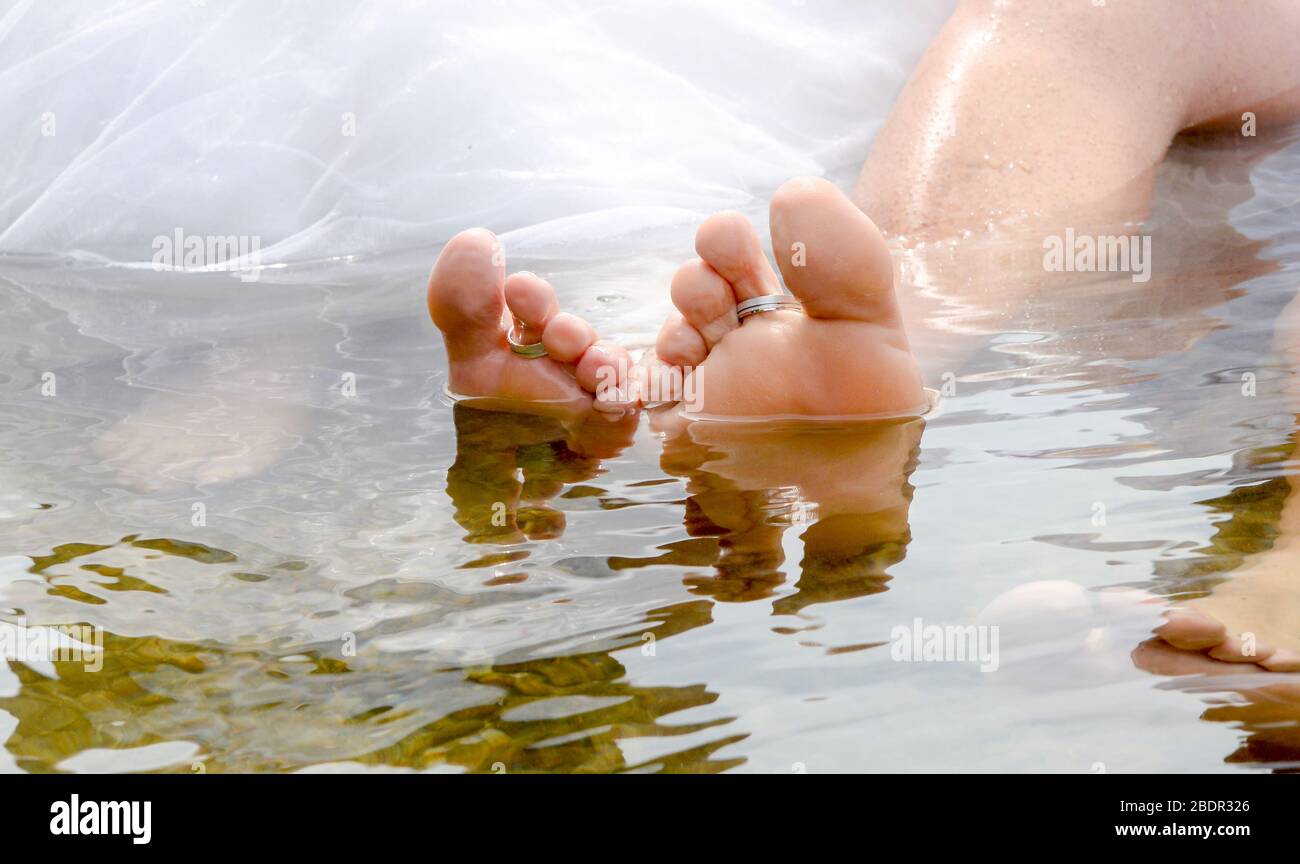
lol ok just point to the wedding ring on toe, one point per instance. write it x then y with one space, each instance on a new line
531 350
766 303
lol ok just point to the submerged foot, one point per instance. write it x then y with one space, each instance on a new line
846 353
1250 618
477 308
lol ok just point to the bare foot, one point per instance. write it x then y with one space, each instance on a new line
188 439
475 306
1250 618
1207 642
846 354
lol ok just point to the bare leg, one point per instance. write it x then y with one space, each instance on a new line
1036 108
1045 111
1026 112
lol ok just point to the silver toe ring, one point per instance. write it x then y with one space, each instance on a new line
530 350
766 303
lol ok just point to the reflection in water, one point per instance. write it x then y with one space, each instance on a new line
229 696
509 466
564 713
844 487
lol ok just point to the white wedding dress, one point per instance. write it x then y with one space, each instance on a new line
342 128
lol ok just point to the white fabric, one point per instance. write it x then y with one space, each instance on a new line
566 122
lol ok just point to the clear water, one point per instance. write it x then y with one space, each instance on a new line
344 597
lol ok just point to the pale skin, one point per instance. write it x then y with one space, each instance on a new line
1019 111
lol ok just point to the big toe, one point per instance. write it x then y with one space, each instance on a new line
832 256
466 299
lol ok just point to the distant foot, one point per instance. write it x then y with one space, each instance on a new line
1248 620
184 438
476 306
845 354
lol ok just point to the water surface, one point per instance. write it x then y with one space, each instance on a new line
303 558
